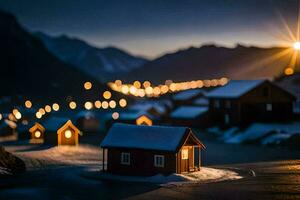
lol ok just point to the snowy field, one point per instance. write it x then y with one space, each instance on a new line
206 175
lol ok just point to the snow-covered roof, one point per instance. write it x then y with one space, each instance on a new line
54 123
163 138
234 88
201 101
188 94
188 112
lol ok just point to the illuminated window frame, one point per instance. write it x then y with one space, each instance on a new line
184 154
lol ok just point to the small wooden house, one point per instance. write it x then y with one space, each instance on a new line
245 101
36 134
194 116
150 150
61 131
68 134
187 97
144 120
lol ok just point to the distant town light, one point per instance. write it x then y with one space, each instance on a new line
97 104
115 115
42 111
1 117
289 71
28 104
123 103
105 105
38 115
72 105
55 107
87 85
112 104
48 108
107 95
18 115
88 105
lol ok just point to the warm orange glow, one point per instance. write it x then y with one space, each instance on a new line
72 105
112 104
125 89
68 134
48 108
42 111
289 71
104 105
15 111
144 120
55 107
97 104
118 83
123 103
137 84
146 84
1 117
87 85
18 115
38 115
88 105
296 46
107 95
37 134
28 104
115 115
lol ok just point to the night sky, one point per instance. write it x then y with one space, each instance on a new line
151 28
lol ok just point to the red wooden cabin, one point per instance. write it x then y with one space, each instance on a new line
150 150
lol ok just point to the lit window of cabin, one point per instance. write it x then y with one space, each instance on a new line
159 161
185 154
125 158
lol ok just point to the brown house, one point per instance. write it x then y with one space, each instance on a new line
68 134
36 134
245 101
61 131
144 120
150 150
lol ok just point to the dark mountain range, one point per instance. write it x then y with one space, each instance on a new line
210 61
101 63
28 69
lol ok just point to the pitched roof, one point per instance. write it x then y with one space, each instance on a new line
188 112
164 138
201 101
54 123
234 88
188 94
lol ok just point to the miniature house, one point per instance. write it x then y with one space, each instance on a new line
144 120
36 134
195 116
61 131
246 101
150 150
187 97
68 134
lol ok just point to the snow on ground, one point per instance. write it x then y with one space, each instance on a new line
259 130
82 155
205 175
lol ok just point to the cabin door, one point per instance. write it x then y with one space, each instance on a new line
184 160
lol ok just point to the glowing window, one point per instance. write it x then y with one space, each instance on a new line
159 160
37 134
185 154
125 158
68 134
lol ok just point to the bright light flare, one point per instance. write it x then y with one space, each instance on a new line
296 46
